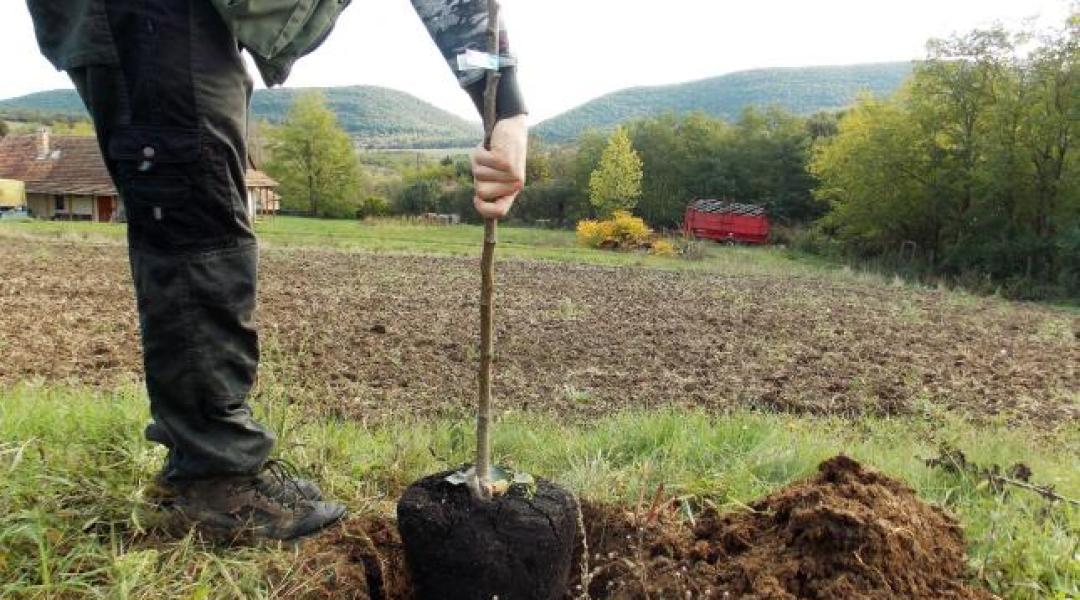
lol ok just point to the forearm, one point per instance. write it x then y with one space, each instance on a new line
459 25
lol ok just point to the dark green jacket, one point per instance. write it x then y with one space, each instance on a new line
278 32
75 33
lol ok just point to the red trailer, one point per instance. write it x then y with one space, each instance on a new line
727 221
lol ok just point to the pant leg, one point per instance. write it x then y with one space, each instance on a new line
171 119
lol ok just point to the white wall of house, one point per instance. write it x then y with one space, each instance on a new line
40 206
81 205
46 206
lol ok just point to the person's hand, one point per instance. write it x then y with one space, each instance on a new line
499 174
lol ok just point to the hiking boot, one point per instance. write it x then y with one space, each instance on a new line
279 478
233 508
282 485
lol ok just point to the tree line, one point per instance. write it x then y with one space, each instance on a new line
761 158
17 121
970 171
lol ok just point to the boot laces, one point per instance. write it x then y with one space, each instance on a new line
286 474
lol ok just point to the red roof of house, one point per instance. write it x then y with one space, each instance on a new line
73 165
14 150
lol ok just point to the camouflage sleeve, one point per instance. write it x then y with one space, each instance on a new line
459 25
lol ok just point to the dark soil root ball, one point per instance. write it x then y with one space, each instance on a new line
517 546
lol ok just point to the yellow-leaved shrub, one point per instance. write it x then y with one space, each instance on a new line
623 230
595 234
631 231
663 248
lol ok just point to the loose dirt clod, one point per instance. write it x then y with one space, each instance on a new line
849 532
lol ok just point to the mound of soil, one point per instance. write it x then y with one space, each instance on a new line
849 532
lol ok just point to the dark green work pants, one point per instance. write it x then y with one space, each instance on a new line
171 119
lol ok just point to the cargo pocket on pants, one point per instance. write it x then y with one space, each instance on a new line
168 208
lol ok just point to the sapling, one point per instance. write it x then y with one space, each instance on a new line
481 482
471 539
483 479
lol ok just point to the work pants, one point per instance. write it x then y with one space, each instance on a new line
171 120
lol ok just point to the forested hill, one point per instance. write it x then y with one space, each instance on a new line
803 90
374 116
382 117
379 117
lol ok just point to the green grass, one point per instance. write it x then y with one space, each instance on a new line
401 237
74 469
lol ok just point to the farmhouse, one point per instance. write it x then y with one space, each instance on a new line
64 178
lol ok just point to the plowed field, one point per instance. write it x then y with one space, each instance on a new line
376 336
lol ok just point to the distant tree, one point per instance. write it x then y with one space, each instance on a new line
550 201
552 194
616 183
458 199
420 196
1049 131
3 128
443 187
679 156
772 151
538 169
257 140
823 125
313 159
373 206
585 159
760 159
74 127
876 175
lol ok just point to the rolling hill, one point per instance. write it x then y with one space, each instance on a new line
376 117
384 118
803 90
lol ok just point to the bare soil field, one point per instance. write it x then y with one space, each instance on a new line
372 337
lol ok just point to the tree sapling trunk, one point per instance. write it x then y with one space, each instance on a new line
487 281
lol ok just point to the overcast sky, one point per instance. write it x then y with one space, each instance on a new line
574 50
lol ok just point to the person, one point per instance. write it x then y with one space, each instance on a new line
166 87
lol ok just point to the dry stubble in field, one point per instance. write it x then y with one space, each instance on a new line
375 336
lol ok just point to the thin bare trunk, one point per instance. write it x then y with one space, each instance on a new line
487 277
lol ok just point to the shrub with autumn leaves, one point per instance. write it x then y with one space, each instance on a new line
623 231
